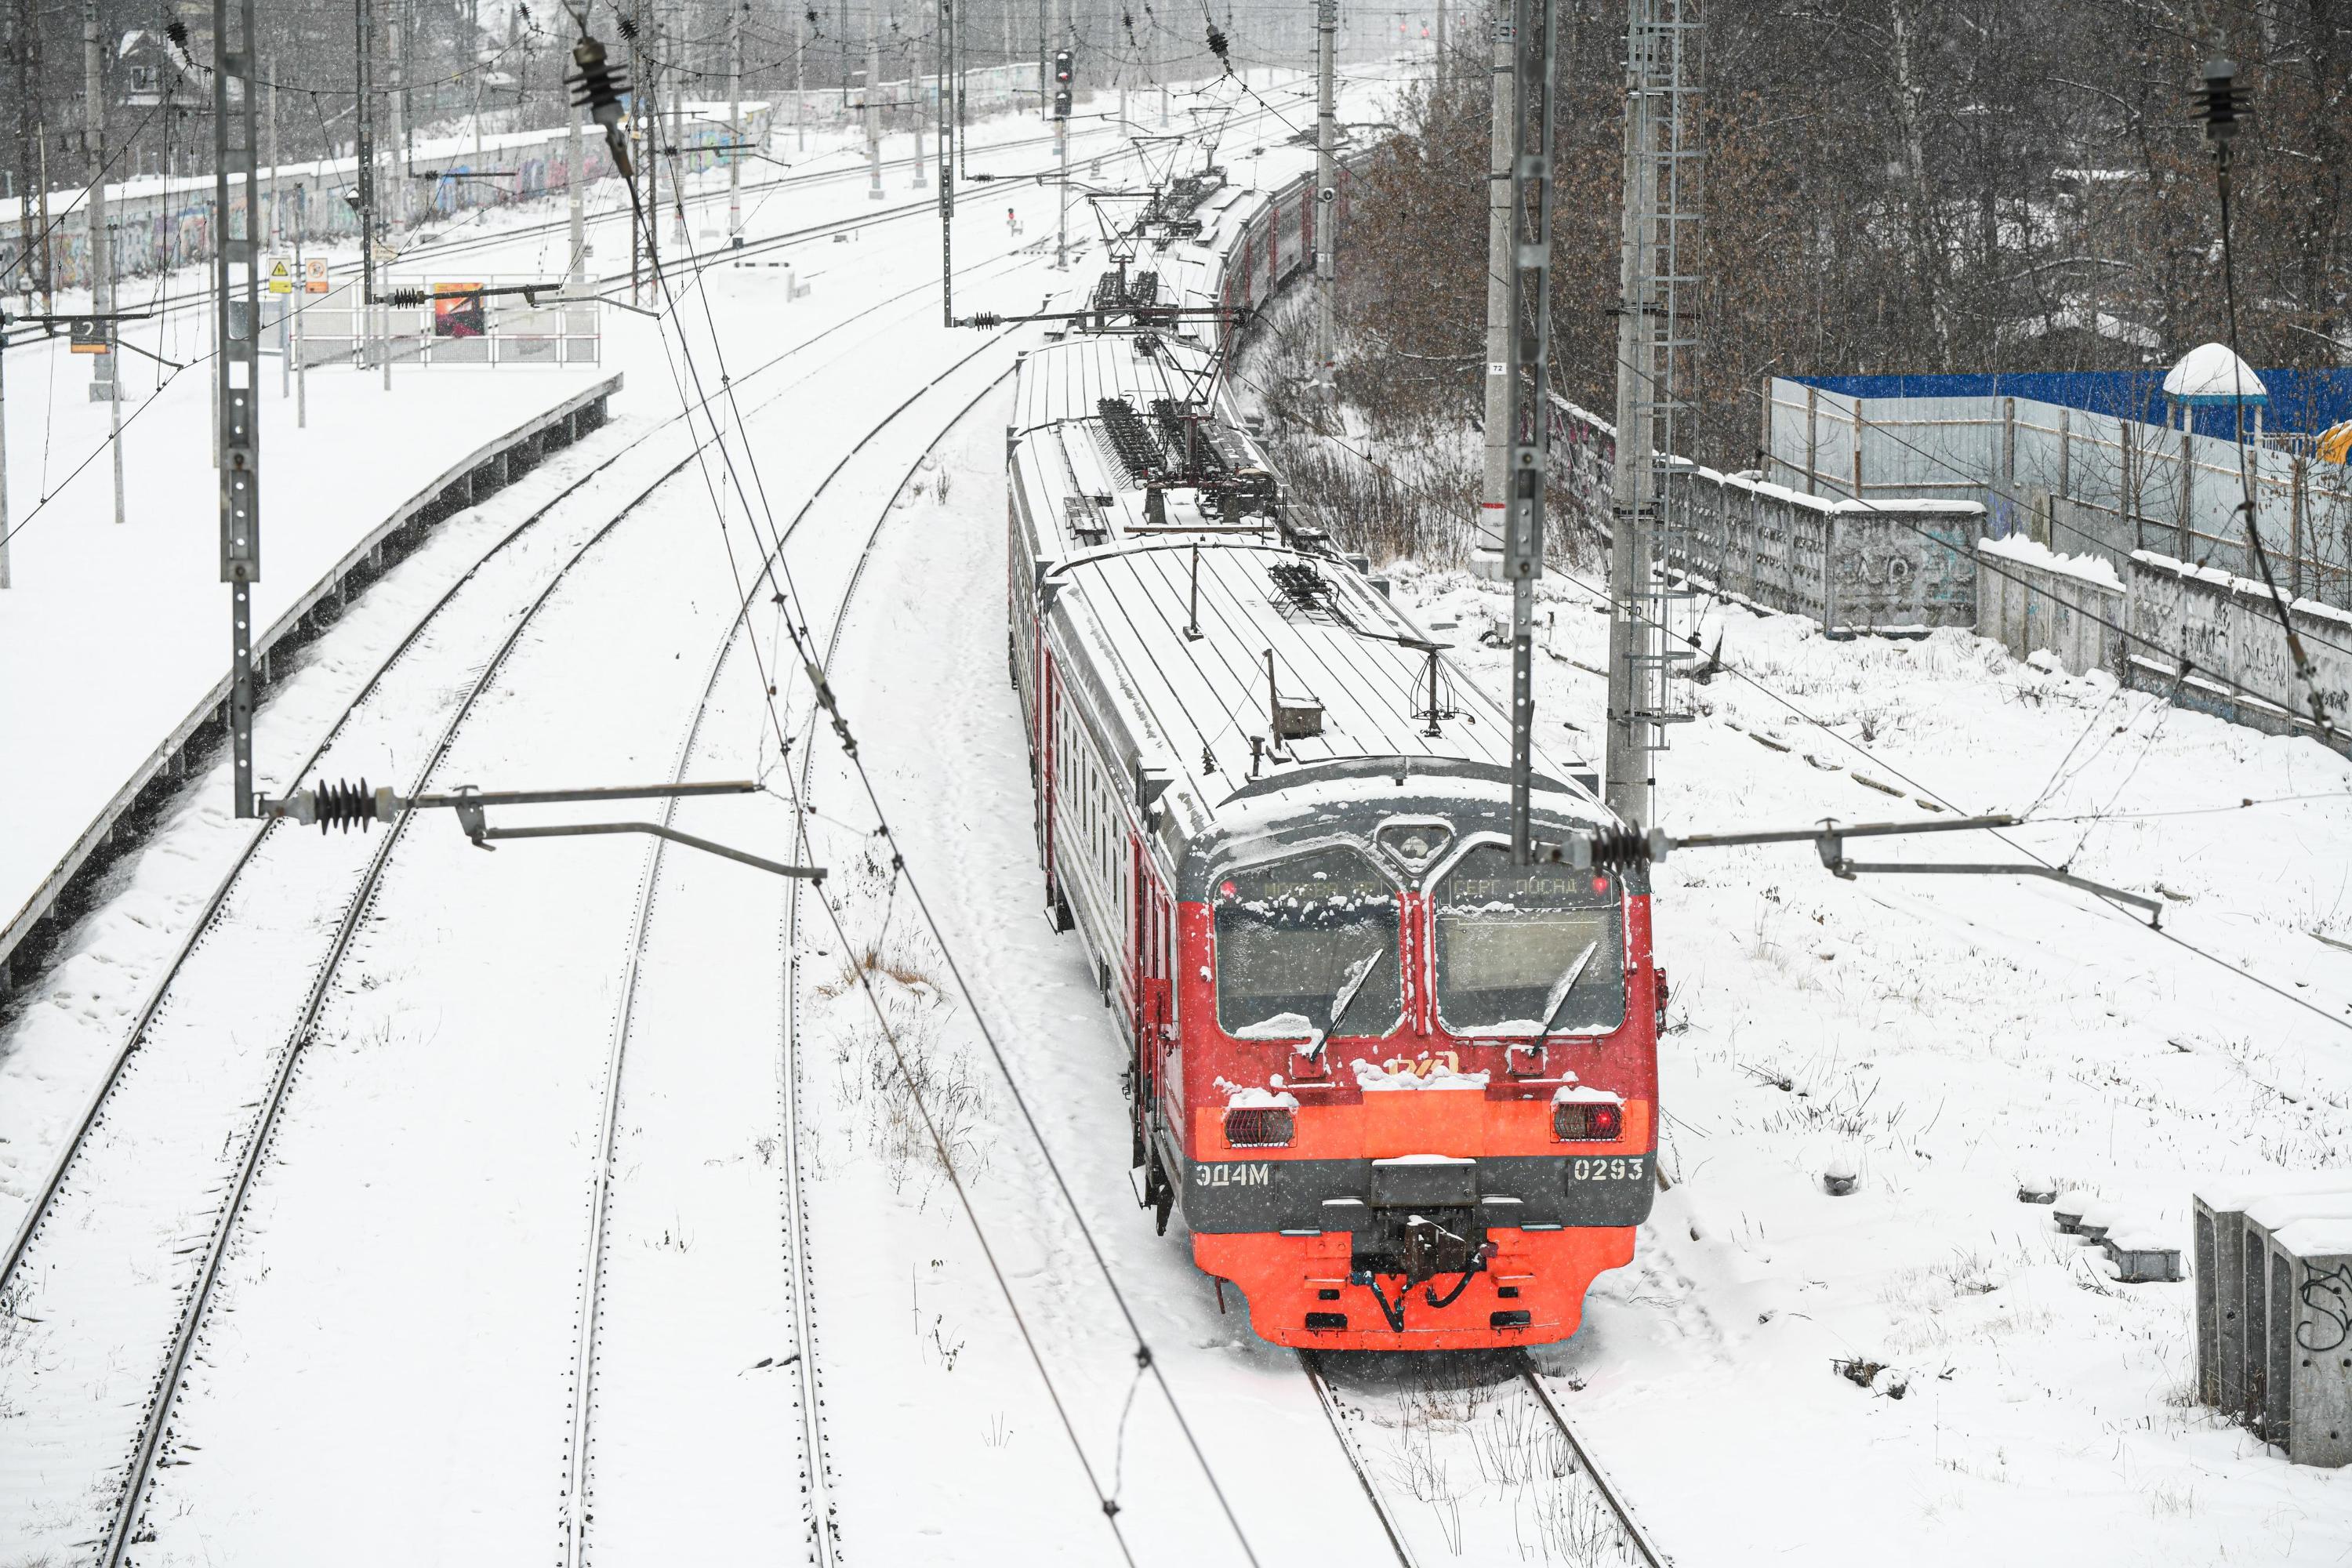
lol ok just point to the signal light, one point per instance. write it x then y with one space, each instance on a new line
1587 1122
1062 104
1061 67
1259 1127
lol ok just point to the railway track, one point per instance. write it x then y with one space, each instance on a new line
690 259
820 1515
1607 1530
219 1115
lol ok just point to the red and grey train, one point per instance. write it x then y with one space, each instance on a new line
1403 1092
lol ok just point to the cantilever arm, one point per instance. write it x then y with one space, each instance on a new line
576 829
1845 868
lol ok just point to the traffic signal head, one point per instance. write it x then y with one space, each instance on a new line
1062 104
1061 67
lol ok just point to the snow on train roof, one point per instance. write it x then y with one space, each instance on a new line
1127 585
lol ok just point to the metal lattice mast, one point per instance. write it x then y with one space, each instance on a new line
1487 540
1529 331
1326 198
236 299
1656 338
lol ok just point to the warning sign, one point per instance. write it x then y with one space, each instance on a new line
89 336
314 275
281 274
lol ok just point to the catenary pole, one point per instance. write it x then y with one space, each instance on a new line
874 99
1533 111
3 445
1326 198
735 121
237 297
105 367
1487 546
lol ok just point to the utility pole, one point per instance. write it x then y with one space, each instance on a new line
675 145
950 133
1529 335
1327 199
1486 547
1044 50
364 151
394 188
237 278
575 183
735 121
874 99
105 373
641 99
32 135
1653 323
800 84
1063 71
915 81
26 257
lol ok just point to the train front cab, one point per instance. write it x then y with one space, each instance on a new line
1474 1142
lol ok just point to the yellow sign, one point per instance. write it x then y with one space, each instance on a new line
281 276
314 275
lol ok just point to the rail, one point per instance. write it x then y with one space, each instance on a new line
487 469
1634 1534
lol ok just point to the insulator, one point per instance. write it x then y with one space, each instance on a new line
404 297
2220 102
1620 846
1217 44
597 87
987 319
346 805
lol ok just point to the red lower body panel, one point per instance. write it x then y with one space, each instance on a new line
1288 1278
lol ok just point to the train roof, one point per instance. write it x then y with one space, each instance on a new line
1125 576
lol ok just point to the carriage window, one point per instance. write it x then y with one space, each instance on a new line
1306 947
1529 950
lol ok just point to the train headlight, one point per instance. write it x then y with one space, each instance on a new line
1259 1127
1587 1122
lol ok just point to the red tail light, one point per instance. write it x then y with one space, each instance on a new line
1259 1127
1587 1123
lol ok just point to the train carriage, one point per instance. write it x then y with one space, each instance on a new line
1403 1092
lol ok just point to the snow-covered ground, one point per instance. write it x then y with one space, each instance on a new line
1949 1037
388 1373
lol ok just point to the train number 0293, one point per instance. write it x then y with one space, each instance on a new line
1610 1169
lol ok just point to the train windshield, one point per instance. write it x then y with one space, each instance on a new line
1307 948
1528 951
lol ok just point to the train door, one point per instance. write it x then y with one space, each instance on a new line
1154 1019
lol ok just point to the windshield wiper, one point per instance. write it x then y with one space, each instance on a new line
1564 985
1345 998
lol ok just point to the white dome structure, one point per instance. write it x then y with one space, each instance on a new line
2209 374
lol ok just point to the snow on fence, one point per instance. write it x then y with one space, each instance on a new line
2031 599
59 898
2274 1309
1855 567
2229 627
162 221
2079 482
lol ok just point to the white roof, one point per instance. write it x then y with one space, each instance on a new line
1129 588
2210 371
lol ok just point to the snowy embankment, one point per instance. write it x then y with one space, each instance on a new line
1948 1036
